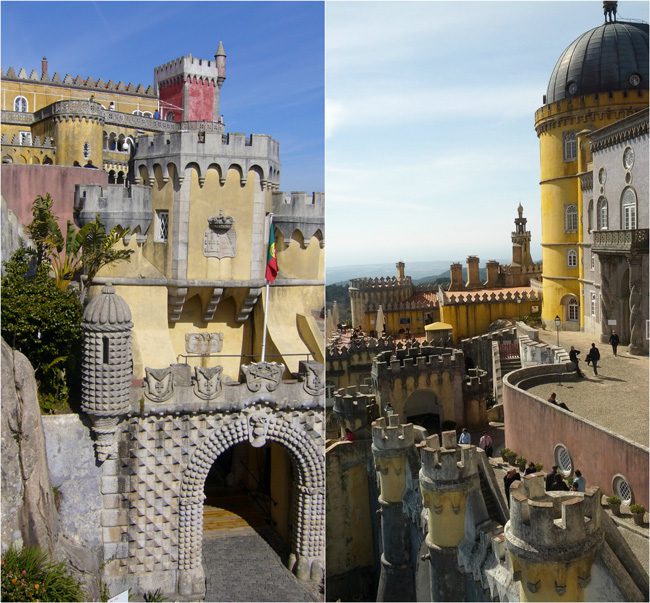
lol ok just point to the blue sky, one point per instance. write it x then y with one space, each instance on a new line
275 59
430 140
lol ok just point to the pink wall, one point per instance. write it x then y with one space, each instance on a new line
172 94
201 101
21 184
533 427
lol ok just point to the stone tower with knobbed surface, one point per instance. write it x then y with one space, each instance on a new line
107 367
190 88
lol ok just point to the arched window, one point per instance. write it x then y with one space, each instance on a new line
590 215
112 144
570 146
20 104
571 258
120 142
105 141
170 116
628 209
573 310
571 218
602 220
137 112
147 114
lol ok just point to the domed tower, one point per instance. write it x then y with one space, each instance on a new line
601 77
107 366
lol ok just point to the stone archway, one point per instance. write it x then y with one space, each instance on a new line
255 425
423 408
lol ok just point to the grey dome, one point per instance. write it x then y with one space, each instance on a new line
107 312
606 58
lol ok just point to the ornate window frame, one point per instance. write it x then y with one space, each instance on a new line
21 104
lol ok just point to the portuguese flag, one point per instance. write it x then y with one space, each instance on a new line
271 259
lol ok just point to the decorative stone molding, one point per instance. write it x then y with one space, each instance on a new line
620 241
220 239
249 303
314 382
207 382
267 374
203 343
176 300
213 302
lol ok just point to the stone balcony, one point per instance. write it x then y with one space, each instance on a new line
617 242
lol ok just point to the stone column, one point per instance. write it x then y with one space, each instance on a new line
447 475
390 445
552 540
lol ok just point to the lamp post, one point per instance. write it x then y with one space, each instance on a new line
557 322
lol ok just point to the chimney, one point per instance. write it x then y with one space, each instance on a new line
492 267
456 270
400 270
44 75
473 279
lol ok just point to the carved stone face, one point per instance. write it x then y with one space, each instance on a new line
258 425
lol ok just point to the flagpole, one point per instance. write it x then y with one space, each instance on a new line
266 300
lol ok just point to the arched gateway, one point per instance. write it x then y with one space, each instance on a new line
157 447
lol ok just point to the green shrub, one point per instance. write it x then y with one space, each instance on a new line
520 461
538 467
505 452
28 575
153 596
636 508
613 500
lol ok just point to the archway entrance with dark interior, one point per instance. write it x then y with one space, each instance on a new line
423 408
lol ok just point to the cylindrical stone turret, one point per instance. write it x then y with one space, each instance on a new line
447 475
352 409
552 539
400 270
107 366
390 445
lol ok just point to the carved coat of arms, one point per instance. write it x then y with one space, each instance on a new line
159 384
268 374
207 382
220 239
314 384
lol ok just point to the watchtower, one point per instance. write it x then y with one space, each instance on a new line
189 88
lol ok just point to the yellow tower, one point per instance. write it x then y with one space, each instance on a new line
600 78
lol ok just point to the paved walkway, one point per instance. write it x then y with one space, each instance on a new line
617 398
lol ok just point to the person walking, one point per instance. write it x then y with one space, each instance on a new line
573 357
465 437
614 341
530 469
486 443
594 354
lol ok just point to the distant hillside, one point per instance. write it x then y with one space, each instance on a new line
415 270
339 293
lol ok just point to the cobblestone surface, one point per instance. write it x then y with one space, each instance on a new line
241 566
616 398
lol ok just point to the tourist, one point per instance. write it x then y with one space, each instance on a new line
553 400
530 469
559 483
579 482
550 478
573 356
614 341
465 437
511 476
349 435
156 114
111 106
486 443
594 354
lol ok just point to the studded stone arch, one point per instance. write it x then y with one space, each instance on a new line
305 449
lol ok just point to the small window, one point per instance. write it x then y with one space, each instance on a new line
593 260
147 114
570 146
86 150
628 207
571 218
573 310
590 215
105 355
572 258
137 112
563 460
621 487
162 225
594 305
20 104
26 138
601 214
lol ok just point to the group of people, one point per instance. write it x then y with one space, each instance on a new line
554 480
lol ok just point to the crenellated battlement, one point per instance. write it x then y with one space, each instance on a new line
389 436
356 347
300 211
381 282
88 83
187 67
349 402
562 526
422 358
449 465
476 297
46 142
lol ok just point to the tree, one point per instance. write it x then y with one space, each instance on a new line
41 321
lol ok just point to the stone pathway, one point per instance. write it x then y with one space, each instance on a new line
241 566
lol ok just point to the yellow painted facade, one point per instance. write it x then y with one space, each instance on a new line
446 513
560 187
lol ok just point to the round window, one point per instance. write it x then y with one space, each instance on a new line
622 489
602 176
563 459
628 158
